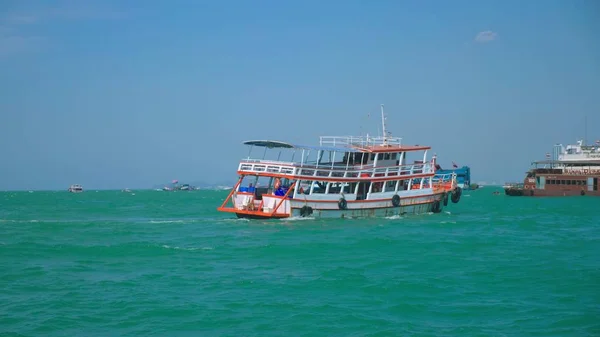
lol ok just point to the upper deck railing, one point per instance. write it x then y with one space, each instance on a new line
365 172
359 141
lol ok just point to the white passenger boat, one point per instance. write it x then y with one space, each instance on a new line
342 177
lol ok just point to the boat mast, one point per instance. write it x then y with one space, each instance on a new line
585 132
383 125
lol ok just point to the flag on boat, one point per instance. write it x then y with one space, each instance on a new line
548 155
454 165
175 181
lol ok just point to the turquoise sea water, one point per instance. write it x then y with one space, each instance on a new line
168 264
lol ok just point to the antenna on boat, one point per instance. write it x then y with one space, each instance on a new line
383 125
585 132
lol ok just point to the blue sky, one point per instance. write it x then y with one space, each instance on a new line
137 93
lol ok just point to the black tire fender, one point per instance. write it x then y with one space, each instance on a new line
396 200
342 203
306 211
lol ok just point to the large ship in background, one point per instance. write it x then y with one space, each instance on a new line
571 170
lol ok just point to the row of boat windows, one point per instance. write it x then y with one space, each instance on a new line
566 182
358 157
358 188
281 187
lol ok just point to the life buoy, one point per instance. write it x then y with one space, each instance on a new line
342 204
306 211
526 187
396 200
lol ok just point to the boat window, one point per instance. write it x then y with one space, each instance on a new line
319 187
351 188
372 156
363 189
394 156
335 188
403 185
303 187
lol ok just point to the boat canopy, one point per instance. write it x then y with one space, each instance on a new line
271 144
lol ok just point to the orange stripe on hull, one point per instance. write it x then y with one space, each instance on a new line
253 214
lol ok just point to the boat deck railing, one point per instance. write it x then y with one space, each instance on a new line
514 185
443 177
359 141
317 172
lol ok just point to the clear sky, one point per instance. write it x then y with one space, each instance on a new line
114 94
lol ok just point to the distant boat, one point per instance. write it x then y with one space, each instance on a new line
175 186
573 170
126 190
75 188
463 176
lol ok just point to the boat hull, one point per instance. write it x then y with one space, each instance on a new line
372 212
513 192
432 203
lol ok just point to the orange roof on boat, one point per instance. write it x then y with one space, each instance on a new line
393 148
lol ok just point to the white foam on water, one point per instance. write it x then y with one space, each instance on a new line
187 248
166 221
297 218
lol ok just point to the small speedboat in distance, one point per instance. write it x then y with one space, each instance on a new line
75 188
